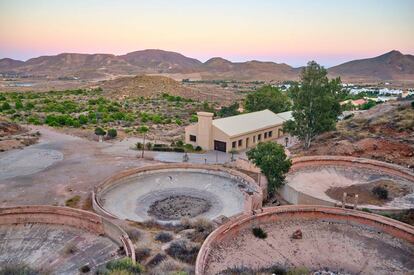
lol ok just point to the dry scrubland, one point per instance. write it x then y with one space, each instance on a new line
385 133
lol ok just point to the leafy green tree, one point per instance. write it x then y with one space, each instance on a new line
143 130
227 111
270 157
267 97
315 104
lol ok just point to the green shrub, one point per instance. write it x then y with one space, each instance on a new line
412 104
138 145
258 232
189 147
124 264
18 104
5 106
112 133
99 131
198 148
34 120
380 192
178 121
179 143
83 119
193 118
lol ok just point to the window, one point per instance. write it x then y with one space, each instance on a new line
259 137
193 138
265 135
270 134
254 139
233 144
240 142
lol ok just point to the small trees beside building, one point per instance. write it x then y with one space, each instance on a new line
270 157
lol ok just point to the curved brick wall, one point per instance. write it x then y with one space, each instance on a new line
252 201
388 168
230 230
70 217
294 196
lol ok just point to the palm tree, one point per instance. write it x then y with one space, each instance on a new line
143 130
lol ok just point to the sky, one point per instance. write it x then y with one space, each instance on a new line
293 32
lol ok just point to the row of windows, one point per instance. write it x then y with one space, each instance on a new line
239 143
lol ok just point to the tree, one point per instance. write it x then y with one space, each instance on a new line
99 132
231 110
267 97
270 157
143 130
315 104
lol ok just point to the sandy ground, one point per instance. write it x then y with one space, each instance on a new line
132 199
59 167
47 248
315 181
339 247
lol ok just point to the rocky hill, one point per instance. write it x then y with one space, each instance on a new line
392 66
387 67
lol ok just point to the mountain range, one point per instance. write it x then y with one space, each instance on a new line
391 66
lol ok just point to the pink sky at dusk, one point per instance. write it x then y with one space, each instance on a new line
293 32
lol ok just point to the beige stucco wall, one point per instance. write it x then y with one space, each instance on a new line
206 133
275 136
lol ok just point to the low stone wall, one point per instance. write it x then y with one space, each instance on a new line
272 214
252 201
294 196
70 217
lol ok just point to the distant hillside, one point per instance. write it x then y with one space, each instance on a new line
144 85
390 66
157 61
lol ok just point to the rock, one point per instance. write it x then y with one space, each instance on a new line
297 235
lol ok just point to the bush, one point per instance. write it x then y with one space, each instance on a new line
99 131
178 149
259 233
158 258
412 104
163 237
85 269
138 145
73 202
179 143
112 133
141 253
198 148
5 106
189 147
183 251
134 234
380 192
124 264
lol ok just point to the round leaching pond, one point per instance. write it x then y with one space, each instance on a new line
169 193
